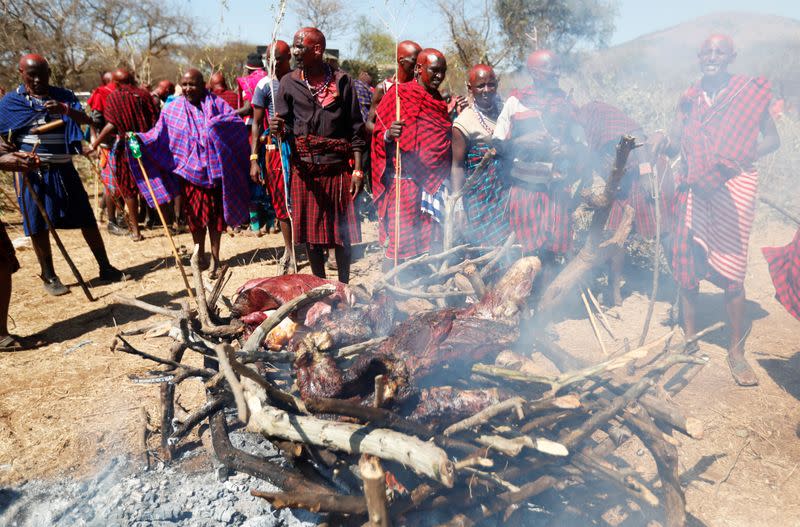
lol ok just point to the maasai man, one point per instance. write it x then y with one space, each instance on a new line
481 213
603 125
265 163
57 183
539 139
407 52
12 162
164 90
364 91
717 134
246 86
784 268
128 109
198 149
219 87
319 107
96 105
423 133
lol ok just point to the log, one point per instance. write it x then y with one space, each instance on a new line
167 413
672 415
288 480
314 501
355 349
193 419
224 357
374 491
595 251
423 458
666 458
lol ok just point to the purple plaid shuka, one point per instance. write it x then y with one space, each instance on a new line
206 146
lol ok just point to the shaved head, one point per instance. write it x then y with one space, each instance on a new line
107 77
217 81
35 73
283 57
281 48
123 76
408 48
164 88
312 36
721 40
32 59
480 72
431 68
192 86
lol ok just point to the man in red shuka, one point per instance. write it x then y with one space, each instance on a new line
423 134
407 52
723 126
129 108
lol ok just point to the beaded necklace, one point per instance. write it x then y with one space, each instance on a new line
483 120
322 87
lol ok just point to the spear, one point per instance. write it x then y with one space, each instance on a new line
136 151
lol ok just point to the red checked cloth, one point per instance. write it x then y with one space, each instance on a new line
784 268
425 162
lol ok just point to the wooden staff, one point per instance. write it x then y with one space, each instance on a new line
43 211
397 164
132 138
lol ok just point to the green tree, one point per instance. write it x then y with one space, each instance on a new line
554 24
375 44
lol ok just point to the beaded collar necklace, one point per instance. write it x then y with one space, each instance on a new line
321 87
483 120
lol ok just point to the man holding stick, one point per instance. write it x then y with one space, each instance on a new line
423 134
266 161
198 149
407 52
320 108
127 109
723 126
36 113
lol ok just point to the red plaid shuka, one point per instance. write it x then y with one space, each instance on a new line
230 97
202 207
323 208
129 109
784 268
719 140
273 176
718 144
541 219
425 164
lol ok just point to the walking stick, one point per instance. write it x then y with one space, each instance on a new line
286 199
397 167
43 211
136 151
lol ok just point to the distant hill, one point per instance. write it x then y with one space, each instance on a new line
766 44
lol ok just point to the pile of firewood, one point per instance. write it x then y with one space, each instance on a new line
434 411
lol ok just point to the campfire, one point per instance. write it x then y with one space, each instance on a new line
420 394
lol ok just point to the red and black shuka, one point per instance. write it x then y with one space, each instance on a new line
325 137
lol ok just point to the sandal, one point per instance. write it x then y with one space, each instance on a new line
54 287
11 343
742 373
136 237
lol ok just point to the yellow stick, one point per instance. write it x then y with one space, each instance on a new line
166 230
397 167
594 324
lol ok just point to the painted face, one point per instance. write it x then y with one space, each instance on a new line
483 86
432 71
544 68
305 50
36 77
283 57
192 86
715 55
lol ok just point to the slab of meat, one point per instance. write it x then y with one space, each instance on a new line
446 402
264 294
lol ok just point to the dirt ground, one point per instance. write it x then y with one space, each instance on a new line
67 407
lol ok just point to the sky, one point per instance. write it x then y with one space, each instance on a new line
252 20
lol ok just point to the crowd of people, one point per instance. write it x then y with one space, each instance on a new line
314 136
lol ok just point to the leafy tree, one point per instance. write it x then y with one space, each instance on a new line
555 24
375 44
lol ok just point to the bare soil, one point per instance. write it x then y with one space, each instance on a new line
68 407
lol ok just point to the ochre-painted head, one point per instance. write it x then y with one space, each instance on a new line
431 68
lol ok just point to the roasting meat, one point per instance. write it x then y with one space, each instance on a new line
446 402
428 349
260 295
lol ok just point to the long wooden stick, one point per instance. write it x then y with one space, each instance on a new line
593 322
166 229
397 162
656 261
51 228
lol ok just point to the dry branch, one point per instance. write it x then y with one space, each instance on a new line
374 491
314 501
